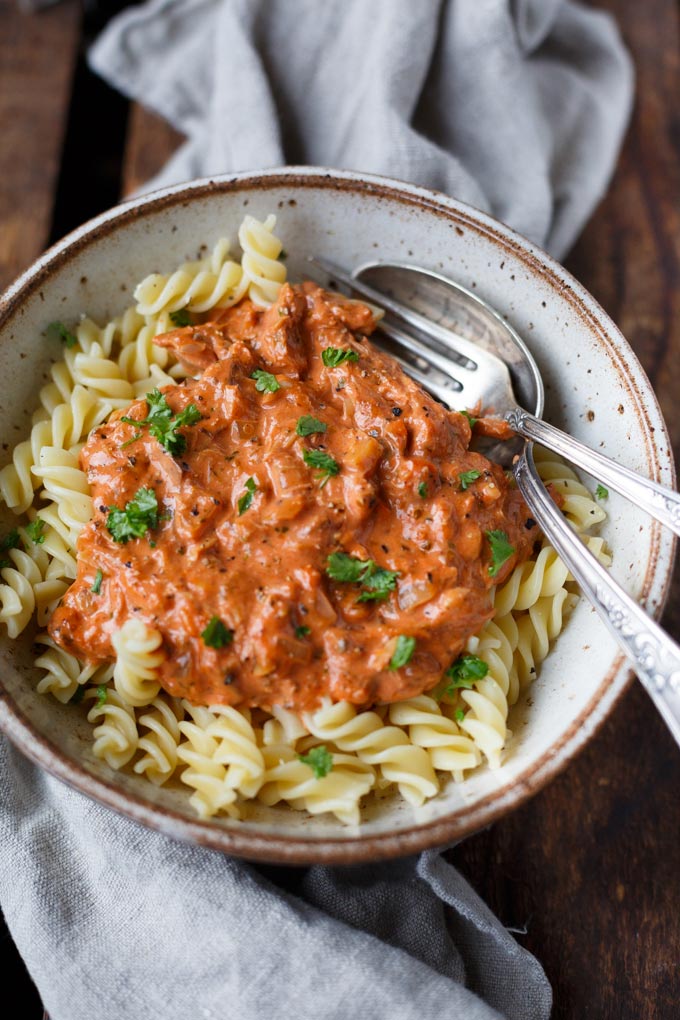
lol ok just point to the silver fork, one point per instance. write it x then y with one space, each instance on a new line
439 359
480 378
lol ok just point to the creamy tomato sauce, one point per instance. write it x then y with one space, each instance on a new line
397 499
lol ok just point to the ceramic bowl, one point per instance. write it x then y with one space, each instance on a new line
595 388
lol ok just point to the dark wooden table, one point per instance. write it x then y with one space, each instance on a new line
589 870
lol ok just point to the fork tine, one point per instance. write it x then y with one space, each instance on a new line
425 354
427 327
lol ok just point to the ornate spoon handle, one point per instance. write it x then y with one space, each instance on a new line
662 503
654 656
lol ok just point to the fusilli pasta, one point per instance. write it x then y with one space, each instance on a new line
227 756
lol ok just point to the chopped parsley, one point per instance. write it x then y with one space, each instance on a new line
334 356
10 541
464 671
601 492
216 635
319 759
472 421
302 632
459 714
77 695
307 425
422 490
376 581
181 317
163 425
466 478
102 695
35 529
97 586
140 514
326 466
265 382
58 331
247 498
403 651
343 567
501 550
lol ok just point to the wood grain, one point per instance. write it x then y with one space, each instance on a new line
37 58
150 143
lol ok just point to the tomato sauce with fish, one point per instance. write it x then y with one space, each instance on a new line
252 515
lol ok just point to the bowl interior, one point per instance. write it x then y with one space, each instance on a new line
595 389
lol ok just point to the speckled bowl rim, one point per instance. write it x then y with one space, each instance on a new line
293 849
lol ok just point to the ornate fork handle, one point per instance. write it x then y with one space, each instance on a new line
654 656
662 503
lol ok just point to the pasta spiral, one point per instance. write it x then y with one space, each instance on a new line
115 733
159 744
196 286
237 749
207 777
261 266
448 748
137 659
339 792
62 673
388 747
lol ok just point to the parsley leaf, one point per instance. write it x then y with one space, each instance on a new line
319 759
334 356
422 490
97 586
501 550
378 581
265 382
163 425
343 567
11 541
302 632
140 514
601 492
466 478
459 714
464 671
247 498
306 425
471 420
216 635
58 331
403 651
102 694
34 530
180 318
327 467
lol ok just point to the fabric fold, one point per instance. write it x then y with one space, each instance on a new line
517 107
122 923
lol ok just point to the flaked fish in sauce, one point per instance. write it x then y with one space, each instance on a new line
248 517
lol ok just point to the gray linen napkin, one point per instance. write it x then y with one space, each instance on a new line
119 923
516 107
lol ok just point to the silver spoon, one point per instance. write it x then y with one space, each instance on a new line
487 371
654 656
